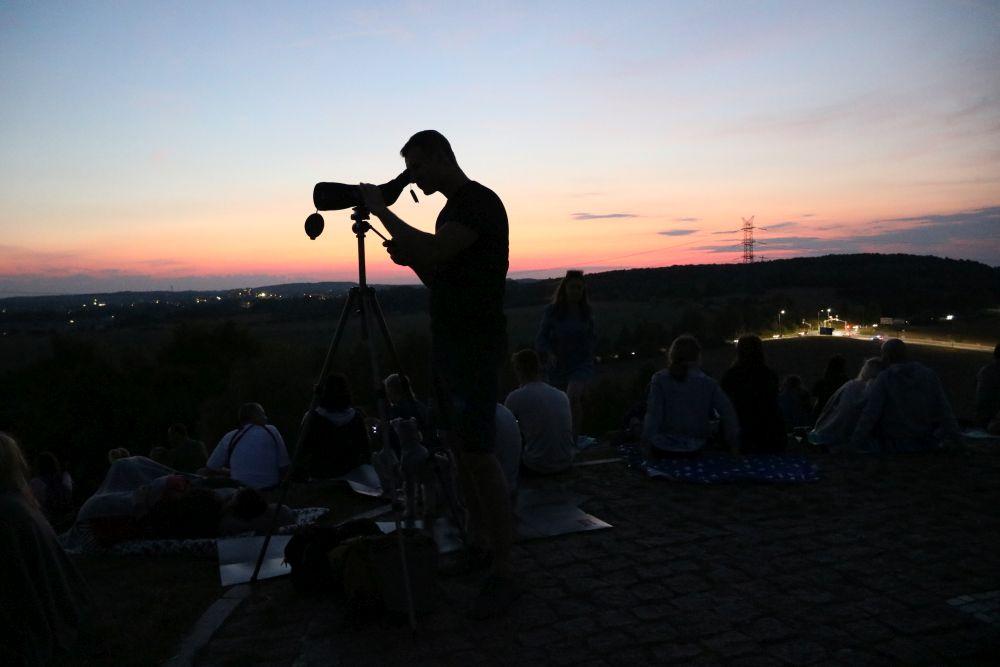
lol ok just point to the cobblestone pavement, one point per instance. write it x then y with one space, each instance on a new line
894 563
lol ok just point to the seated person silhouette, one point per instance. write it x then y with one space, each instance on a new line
253 454
544 416
403 403
185 454
795 404
988 390
840 416
753 389
52 487
44 602
907 409
682 403
508 447
833 378
336 441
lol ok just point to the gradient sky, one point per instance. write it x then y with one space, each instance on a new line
150 145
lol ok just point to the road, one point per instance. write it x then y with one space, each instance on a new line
976 347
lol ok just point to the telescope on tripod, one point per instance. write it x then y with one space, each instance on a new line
364 301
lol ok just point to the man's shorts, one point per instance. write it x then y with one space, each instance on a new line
466 381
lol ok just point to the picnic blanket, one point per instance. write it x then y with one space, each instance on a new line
79 540
718 468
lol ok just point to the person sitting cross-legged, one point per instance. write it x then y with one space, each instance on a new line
253 454
907 409
753 389
682 402
336 441
840 416
543 413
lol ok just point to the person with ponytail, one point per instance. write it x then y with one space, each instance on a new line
682 402
566 342
43 599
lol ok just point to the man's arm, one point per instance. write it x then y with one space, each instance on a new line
412 247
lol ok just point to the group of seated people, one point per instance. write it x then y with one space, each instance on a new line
894 404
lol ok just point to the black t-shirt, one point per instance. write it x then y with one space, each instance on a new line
467 291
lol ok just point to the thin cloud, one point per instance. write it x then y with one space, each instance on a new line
602 216
686 219
807 215
973 234
677 232
781 225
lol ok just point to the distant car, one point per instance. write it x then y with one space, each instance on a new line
826 331
878 337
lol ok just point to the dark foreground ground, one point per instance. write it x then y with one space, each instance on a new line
868 566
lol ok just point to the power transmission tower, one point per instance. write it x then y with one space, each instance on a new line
748 241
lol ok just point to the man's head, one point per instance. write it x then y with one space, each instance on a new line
335 393
893 351
429 160
252 413
397 388
996 352
526 366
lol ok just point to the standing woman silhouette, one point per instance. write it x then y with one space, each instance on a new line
566 342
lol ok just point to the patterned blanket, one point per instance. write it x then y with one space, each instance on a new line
717 468
78 540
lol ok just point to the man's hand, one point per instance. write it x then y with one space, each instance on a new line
373 200
397 255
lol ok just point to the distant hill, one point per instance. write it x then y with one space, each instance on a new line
898 284
904 283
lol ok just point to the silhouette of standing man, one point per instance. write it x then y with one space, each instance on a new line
464 265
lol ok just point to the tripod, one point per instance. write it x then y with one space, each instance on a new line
363 300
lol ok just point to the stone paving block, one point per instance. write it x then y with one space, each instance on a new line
584 585
769 629
730 644
628 657
569 607
620 578
688 583
672 653
538 637
608 640
797 652
904 650
654 632
615 619
650 591
614 598
652 612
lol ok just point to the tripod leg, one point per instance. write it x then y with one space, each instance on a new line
380 320
383 415
349 305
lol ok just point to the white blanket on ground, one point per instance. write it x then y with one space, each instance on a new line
81 541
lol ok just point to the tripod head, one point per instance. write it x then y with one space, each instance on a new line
360 215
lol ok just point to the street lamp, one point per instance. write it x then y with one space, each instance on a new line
780 313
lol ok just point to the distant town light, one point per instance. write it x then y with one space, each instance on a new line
949 317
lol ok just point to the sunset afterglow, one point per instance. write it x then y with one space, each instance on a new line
149 146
